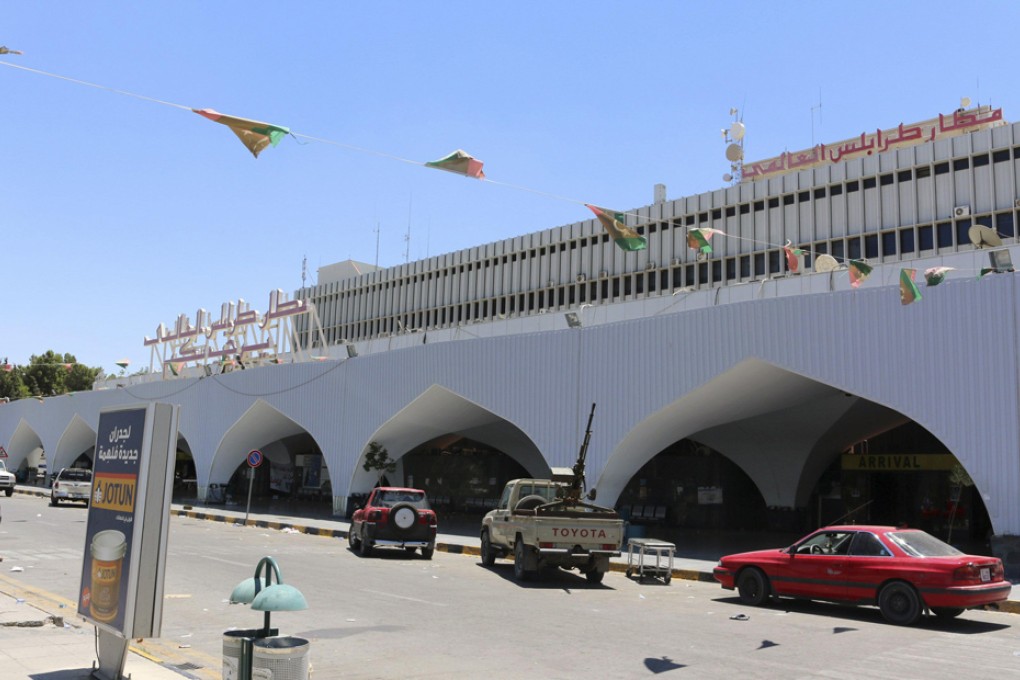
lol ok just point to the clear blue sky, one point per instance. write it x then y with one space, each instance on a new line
117 214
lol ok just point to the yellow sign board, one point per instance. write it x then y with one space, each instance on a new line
899 462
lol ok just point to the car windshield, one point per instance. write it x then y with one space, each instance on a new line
76 475
388 499
546 491
921 544
3 466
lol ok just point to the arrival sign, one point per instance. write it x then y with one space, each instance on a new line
125 539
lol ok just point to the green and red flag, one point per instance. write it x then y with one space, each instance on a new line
123 363
933 276
859 270
986 270
908 289
697 239
461 163
623 236
791 257
255 135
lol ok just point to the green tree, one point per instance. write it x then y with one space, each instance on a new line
11 385
378 458
52 373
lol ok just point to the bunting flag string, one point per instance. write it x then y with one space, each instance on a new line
623 236
908 289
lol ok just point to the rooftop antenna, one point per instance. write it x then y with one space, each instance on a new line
304 270
376 244
407 236
819 109
734 139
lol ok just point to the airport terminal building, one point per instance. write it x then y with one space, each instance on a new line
778 380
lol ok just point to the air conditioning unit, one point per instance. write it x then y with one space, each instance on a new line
674 262
961 211
580 278
1016 203
603 274
650 265
702 257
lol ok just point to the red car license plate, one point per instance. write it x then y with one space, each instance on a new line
986 574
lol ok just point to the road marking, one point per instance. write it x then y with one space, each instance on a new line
402 597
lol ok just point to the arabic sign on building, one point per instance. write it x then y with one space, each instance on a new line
240 333
867 144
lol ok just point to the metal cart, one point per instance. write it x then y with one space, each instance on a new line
639 553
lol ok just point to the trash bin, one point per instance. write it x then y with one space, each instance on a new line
279 658
237 647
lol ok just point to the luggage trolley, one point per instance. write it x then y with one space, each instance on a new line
639 552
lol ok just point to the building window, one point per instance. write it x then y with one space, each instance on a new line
980 160
717 214
907 240
941 168
703 217
888 243
852 186
923 171
837 249
689 220
885 180
1004 224
869 183
820 192
944 234
904 176
788 199
773 202
731 268
716 271
775 265
871 246
703 273
803 196
731 211
1000 156
836 190
745 266
853 247
962 227
759 264
961 164
925 237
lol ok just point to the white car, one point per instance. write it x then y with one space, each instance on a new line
71 484
6 479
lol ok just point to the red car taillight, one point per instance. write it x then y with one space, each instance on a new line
972 572
426 517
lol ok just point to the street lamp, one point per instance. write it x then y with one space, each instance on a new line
265 596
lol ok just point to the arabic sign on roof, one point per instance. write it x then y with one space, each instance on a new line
869 143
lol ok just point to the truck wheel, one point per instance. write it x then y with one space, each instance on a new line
9 492
594 576
352 539
364 547
488 556
427 552
520 573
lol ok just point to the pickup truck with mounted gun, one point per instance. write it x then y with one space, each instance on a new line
545 523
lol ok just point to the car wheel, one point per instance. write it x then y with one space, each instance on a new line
520 573
352 539
9 492
364 546
899 604
946 613
488 555
753 587
54 501
409 550
428 551
667 577
594 575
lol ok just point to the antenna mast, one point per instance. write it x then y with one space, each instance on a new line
734 139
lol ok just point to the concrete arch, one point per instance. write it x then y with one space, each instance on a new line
262 427
77 438
438 411
781 428
25 447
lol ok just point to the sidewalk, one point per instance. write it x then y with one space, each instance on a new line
44 639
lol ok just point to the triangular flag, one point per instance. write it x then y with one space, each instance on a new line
986 270
123 363
933 276
7 50
253 134
623 236
908 289
175 368
461 163
859 270
697 239
792 263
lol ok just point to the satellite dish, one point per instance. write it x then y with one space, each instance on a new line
737 131
982 236
825 263
734 153
964 102
727 177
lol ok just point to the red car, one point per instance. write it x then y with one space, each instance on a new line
396 517
903 571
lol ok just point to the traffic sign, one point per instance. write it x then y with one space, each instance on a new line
254 458
3 452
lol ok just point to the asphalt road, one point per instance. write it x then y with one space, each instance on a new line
394 616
